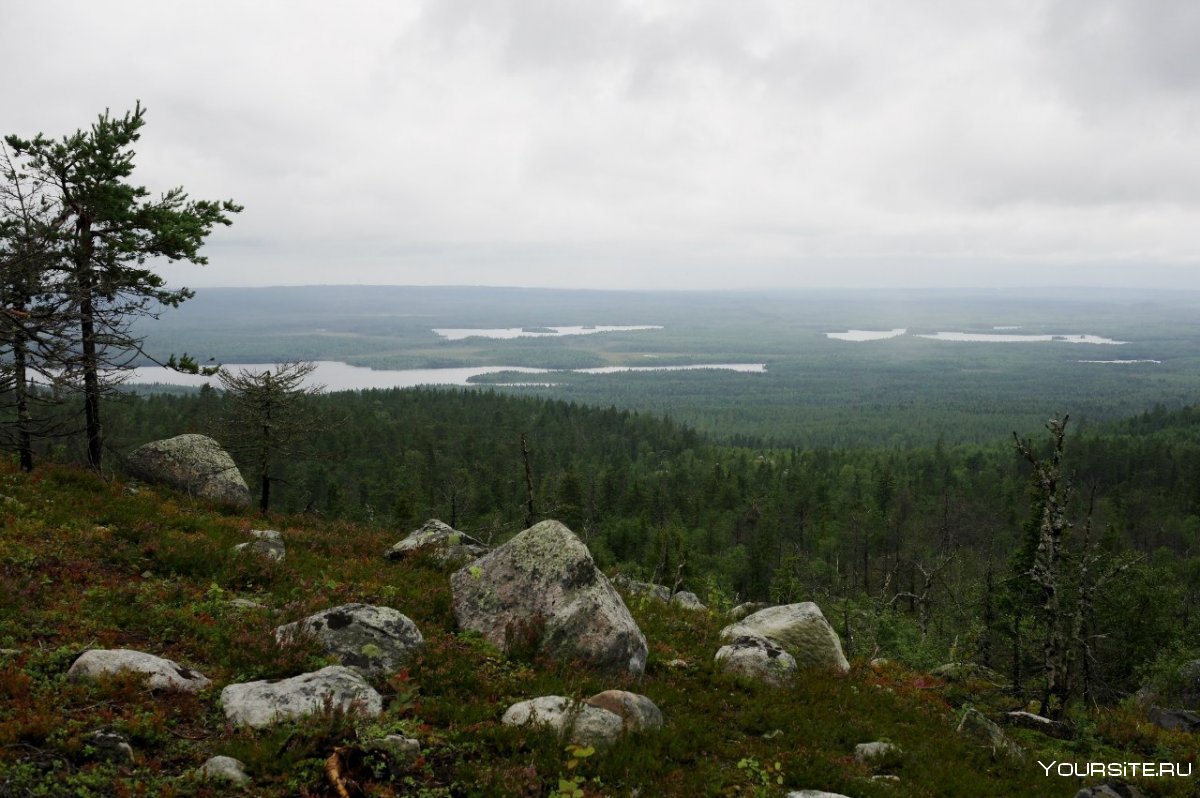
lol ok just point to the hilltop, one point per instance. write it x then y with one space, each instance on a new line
88 563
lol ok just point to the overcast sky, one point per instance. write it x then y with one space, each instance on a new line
681 143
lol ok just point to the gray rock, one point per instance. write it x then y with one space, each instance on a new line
260 704
1110 791
224 768
1183 690
865 753
162 674
959 672
1174 719
111 747
978 728
687 600
545 583
746 608
193 463
800 629
399 749
757 658
573 720
814 794
637 712
444 543
374 640
636 588
1028 720
267 543
246 604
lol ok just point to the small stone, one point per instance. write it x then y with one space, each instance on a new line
147 574
1117 790
814 794
687 600
224 768
111 747
399 749
267 543
865 753
246 604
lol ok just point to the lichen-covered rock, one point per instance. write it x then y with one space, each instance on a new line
444 543
687 600
259 704
637 712
246 604
110 747
267 543
374 640
1028 720
1111 791
224 768
1174 719
758 658
648 589
544 587
866 753
960 672
746 608
800 629
193 463
977 727
576 721
162 674
399 749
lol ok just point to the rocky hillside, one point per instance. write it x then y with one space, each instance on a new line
158 645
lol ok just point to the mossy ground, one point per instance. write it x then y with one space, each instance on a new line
85 563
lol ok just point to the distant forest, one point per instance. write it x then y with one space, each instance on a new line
914 553
817 392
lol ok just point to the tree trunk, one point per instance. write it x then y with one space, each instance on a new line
21 386
91 359
530 514
264 498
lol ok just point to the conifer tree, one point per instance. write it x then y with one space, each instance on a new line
269 418
113 227
33 320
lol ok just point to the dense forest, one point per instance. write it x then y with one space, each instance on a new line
917 553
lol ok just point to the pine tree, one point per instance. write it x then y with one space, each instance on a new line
113 227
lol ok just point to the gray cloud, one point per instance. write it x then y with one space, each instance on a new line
561 142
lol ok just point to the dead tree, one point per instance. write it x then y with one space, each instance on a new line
924 599
1052 493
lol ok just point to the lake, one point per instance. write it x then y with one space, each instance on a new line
459 334
336 376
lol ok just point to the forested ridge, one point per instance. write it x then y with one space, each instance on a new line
856 528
